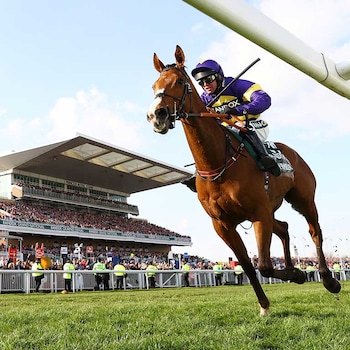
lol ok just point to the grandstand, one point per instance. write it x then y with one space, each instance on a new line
76 192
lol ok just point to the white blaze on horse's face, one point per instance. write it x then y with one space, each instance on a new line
151 115
158 121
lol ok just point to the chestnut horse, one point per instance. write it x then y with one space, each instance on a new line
229 184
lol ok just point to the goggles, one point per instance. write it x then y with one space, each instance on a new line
207 80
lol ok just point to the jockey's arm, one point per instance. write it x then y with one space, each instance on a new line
259 101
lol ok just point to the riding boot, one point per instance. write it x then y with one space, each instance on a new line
268 163
190 183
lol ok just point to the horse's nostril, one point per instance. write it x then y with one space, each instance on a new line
161 113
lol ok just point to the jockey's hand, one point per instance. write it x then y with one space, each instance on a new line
230 111
240 125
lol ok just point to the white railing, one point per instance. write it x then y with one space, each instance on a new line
21 281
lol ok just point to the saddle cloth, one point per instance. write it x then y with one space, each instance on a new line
271 149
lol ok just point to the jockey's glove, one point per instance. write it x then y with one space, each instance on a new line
231 111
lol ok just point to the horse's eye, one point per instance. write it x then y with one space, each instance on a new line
180 81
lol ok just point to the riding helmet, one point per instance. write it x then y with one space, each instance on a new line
207 67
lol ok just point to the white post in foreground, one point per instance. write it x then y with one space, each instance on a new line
245 20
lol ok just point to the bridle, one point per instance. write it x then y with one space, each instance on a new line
179 113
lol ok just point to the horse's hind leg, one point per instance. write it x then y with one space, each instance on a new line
280 228
329 282
232 238
303 202
263 232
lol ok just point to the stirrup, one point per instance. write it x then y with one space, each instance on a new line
270 165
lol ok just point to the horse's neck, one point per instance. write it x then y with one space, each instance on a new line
206 141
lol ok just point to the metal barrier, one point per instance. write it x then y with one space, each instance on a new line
21 281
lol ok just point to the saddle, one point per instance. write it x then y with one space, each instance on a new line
271 149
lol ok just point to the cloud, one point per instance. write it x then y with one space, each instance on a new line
90 113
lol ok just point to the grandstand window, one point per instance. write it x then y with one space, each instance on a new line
98 194
52 184
117 198
77 189
24 179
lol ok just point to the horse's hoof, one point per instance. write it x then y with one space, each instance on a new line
300 276
332 285
264 311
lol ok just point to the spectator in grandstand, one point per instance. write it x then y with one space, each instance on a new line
120 275
151 275
3 263
38 276
99 266
238 269
217 268
186 267
11 265
30 211
67 276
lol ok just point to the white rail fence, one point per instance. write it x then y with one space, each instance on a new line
21 281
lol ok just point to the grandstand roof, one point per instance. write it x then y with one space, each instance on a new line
85 160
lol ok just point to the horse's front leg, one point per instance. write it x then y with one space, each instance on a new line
232 238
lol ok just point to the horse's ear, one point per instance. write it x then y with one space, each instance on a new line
180 57
158 64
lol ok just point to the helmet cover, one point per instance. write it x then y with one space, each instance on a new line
205 68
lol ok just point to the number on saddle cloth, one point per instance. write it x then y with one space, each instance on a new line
281 160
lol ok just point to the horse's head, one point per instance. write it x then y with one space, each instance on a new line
170 91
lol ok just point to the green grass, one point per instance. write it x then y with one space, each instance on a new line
302 317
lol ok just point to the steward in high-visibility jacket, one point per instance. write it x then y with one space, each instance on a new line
120 274
187 268
239 274
151 275
310 272
217 268
337 268
38 276
99 265
68 266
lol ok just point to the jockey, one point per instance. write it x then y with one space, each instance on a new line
243 99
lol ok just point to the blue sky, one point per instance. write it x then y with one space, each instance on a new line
86 66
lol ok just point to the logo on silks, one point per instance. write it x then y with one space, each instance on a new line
233 104
259 123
